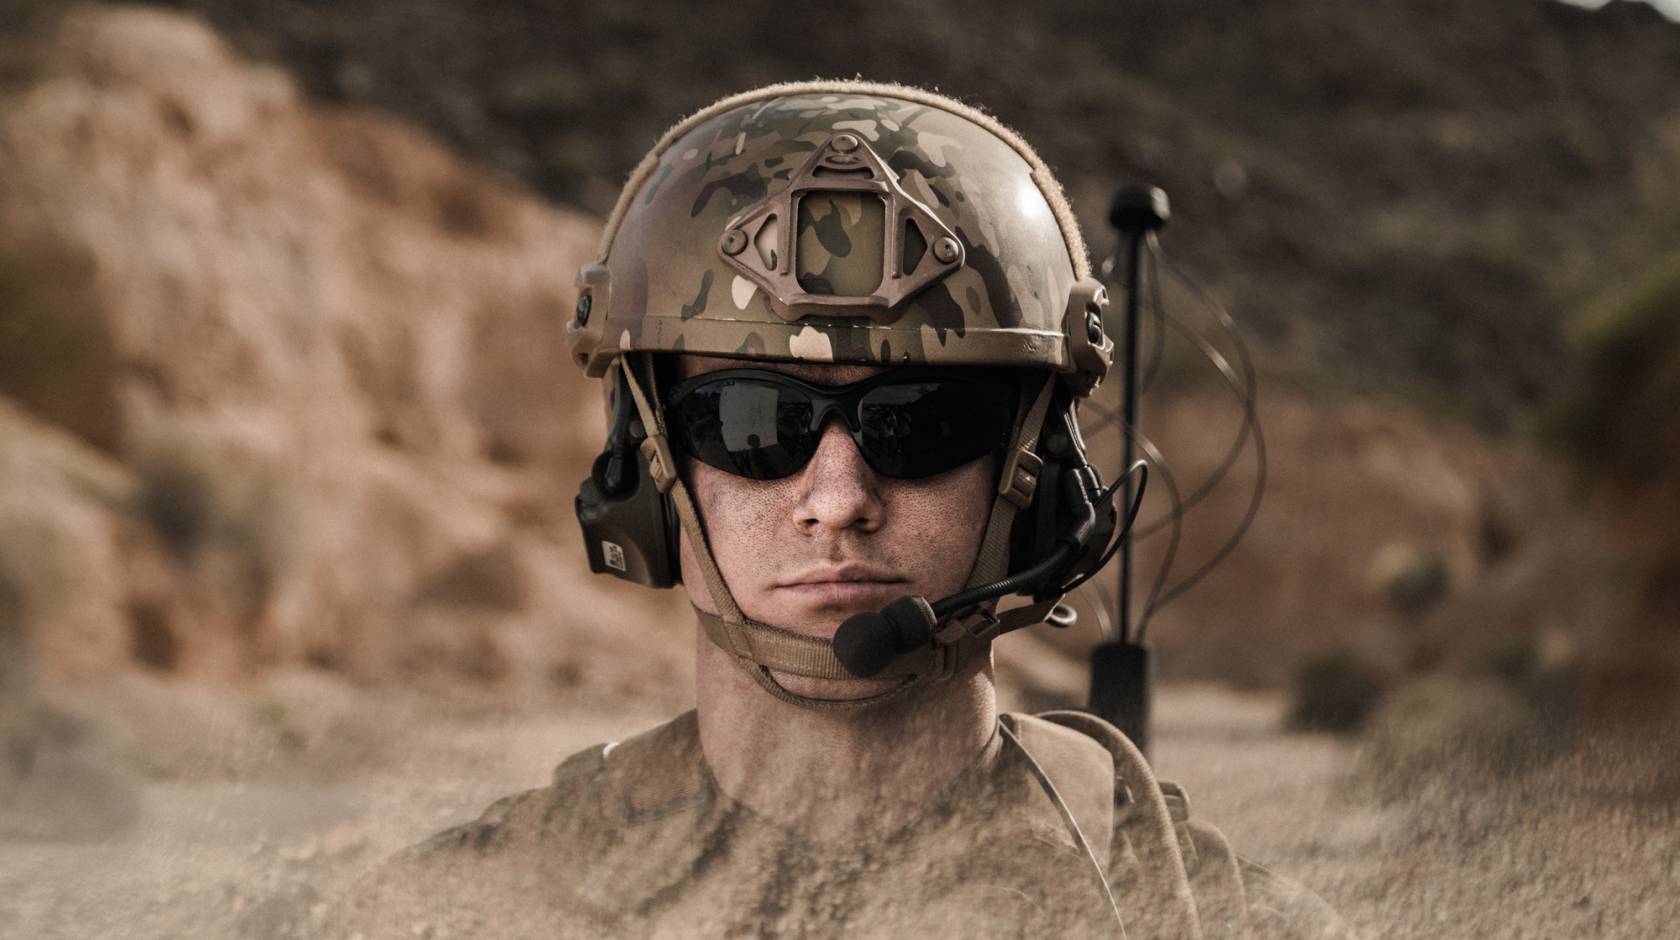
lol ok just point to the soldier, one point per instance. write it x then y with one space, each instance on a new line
844 329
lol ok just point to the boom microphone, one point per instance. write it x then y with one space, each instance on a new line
867 643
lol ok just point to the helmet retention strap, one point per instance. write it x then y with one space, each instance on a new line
1017 483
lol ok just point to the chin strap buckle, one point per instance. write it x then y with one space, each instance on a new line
985 623
1019 480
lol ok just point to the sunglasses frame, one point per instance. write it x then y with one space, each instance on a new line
846 401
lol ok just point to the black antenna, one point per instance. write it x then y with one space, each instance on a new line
1121 676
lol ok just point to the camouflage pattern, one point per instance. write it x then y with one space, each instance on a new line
839 237
665 284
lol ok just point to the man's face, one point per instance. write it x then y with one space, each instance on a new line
836 538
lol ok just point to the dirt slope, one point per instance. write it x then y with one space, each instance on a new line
323 359
316 363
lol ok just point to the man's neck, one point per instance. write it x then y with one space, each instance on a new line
834 775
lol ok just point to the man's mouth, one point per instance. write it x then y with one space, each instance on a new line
844 585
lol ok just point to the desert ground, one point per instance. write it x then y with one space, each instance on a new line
249 810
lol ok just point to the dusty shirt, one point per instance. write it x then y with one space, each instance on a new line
636 839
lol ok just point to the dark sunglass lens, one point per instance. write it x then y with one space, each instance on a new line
921 429
753 429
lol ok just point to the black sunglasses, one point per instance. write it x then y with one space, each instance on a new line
908 424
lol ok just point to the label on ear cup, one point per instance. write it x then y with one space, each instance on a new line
612 554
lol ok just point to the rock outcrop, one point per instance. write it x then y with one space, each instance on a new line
287 385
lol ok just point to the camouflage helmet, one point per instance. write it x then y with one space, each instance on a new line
844 222
848 223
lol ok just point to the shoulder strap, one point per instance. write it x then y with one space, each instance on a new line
1146 861
1215 876
1078 772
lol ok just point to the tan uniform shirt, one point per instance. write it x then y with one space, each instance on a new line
637 840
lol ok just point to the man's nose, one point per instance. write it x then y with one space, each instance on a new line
839 490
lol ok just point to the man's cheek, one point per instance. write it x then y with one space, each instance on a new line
745 525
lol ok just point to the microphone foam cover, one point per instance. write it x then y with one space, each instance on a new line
867 643
864 644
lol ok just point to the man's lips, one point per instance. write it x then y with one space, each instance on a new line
844 585
850 572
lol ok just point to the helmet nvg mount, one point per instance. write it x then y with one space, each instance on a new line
833 222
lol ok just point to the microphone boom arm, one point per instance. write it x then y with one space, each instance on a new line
867 643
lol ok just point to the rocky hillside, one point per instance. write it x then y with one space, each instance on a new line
1397 195
283 384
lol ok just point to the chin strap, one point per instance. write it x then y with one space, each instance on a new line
760 648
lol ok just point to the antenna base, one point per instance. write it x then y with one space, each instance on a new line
1122 680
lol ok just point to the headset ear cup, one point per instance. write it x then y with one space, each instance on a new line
1033 535
630 533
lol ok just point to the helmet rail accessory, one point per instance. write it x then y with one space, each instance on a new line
770 242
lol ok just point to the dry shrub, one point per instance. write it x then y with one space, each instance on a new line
175 497
1414 579
1621 420
1334 691
1469 729
1620 411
